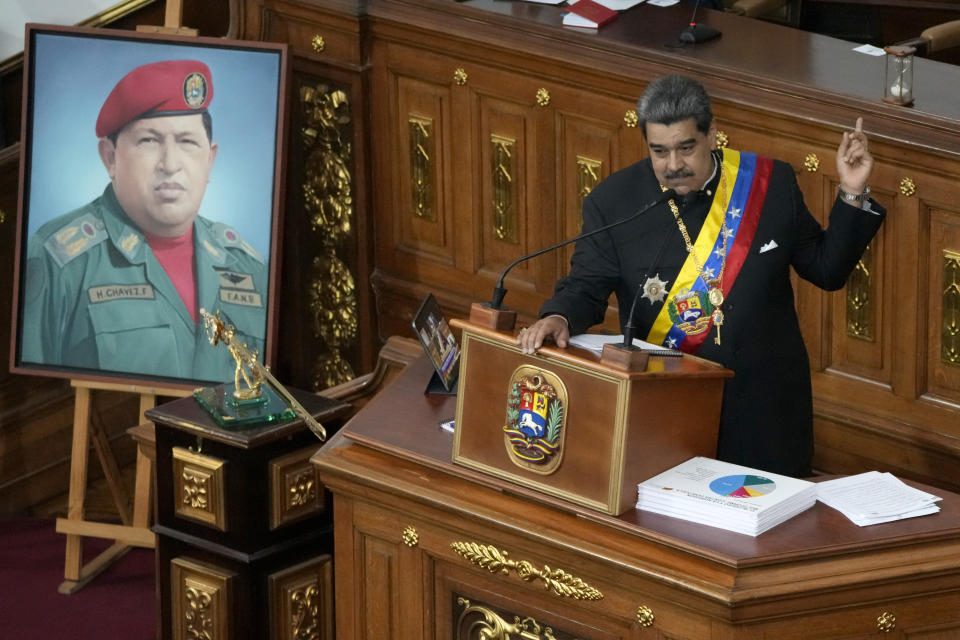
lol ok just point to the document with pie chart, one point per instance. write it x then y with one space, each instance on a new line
727 496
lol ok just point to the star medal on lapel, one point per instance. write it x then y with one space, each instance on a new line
654 289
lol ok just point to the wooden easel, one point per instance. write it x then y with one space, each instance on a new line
134 531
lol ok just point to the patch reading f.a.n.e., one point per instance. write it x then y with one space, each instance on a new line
245 298
108 292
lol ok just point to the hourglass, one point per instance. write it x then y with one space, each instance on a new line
898 75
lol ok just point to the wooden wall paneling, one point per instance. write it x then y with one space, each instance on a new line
329 332
422 214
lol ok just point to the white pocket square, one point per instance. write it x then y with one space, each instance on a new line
769 246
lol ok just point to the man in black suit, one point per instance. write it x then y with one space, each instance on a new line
711 267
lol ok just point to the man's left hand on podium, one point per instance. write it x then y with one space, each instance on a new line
554 327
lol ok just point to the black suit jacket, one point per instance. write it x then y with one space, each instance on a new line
767 416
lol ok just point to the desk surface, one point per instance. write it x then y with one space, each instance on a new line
404 422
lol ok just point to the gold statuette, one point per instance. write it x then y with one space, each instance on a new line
252 372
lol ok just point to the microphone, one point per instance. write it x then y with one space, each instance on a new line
695 33
499 291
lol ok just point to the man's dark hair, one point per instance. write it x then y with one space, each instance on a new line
672 99
205 116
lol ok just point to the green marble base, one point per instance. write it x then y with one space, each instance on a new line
231 413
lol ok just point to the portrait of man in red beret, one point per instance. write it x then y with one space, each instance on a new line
116 285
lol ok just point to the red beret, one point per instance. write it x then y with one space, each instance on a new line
173 87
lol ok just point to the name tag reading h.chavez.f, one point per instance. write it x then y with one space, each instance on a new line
107 292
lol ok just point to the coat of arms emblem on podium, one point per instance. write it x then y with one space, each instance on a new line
536 419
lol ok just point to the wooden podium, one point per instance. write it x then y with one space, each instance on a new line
425 548
613 425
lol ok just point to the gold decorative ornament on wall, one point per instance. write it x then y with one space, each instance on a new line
3 216
722 140
950 313
645 616
543 97
328 200
421 168
588 175
318 44
494 560
886 622
503 168
460 76
631 119
410 537
811 163
859 286
907 186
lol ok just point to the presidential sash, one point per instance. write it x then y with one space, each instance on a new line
686 317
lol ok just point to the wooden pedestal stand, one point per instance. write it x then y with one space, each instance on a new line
134 531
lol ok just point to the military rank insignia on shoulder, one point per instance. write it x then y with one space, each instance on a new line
74 238
228 237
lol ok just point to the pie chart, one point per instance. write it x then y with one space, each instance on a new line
743 486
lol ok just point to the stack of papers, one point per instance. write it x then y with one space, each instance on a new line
727 496
594 342
874 497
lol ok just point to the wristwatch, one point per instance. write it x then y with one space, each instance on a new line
855 197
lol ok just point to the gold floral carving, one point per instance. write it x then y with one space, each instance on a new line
558 581
295 491
631 119
200 487
460 76
318 44
301 601
722 140
543 97
645 616
201 597
486 624
886 622
908 187
950 316
328 199
859 316
410 537
811 163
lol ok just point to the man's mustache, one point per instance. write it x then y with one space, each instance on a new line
679 173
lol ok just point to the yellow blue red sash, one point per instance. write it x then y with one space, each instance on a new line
685 319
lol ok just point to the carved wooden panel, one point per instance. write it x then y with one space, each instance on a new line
295 490
199 488
202 597
943 326
301 601
422 122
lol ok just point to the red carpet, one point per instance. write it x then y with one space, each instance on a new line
119 604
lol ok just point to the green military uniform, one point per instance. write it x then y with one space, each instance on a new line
97 298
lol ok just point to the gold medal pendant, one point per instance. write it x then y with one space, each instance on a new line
716 296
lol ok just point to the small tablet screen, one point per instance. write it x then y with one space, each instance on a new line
438 341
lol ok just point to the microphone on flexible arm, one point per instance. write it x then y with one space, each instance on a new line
499 291
695 32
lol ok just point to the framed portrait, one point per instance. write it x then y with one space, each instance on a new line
151 183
